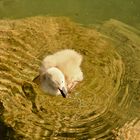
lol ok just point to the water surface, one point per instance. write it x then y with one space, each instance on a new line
105 105
86 12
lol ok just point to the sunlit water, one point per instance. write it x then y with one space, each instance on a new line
107 98
104 106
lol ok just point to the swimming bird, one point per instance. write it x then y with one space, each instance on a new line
60 72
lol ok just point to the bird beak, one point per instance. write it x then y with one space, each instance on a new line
63 92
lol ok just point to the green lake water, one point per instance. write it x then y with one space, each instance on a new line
106 104
85 12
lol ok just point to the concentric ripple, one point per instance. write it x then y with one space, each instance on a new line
107 98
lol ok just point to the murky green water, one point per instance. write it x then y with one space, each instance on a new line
85 12
105 105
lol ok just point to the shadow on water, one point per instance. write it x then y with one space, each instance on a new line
6 133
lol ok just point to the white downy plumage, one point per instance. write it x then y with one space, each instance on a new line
60 72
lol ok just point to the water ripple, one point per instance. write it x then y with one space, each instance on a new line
103 103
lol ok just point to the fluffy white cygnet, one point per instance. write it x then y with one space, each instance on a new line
53 81
60 72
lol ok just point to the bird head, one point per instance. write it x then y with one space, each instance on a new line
55 79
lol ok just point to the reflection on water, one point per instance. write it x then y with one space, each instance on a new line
104 102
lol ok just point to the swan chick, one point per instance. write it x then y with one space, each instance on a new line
53 82
60 72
